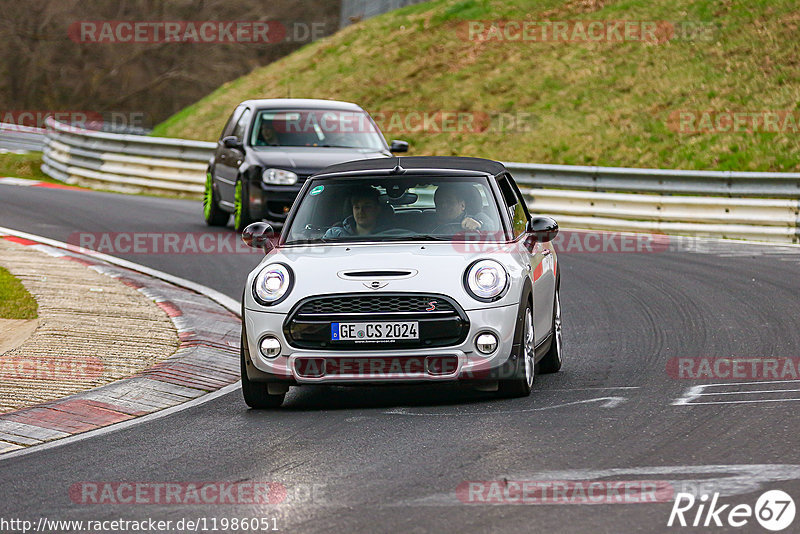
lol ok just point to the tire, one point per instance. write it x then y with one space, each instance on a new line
241 209
213 215
255 393
521 384
551 362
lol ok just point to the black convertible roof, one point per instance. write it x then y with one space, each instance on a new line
429 163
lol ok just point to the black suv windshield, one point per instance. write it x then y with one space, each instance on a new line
315 128
394 209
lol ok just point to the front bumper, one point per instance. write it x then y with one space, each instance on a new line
451 363
273 202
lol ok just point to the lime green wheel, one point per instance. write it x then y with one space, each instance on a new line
241 209
212 213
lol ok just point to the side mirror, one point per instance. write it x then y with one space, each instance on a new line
232 142
258 235
398 146
542 229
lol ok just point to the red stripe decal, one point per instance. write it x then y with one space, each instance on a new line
537 272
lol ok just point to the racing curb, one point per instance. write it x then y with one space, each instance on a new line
206 360
26 182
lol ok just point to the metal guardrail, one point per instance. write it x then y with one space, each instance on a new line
16 138
353 10
662 181
127 163
758 206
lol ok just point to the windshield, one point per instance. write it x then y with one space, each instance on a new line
394 209
315 128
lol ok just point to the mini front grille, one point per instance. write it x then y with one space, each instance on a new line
441 321
375 304
375 274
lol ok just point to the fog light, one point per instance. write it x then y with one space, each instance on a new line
270 347
486 343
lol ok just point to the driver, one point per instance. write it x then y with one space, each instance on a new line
365 218
266 134
451 208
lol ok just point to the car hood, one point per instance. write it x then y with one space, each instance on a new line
308 160
432 268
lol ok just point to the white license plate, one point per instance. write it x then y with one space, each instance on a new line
374 331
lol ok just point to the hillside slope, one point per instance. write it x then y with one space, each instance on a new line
582 102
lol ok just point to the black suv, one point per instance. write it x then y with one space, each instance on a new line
269 147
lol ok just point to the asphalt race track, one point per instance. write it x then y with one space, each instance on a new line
389 459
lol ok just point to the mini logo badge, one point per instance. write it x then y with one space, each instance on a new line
431 306
376 284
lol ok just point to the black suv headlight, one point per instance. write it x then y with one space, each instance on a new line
279 177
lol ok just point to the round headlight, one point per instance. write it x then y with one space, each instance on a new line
272 284
486 280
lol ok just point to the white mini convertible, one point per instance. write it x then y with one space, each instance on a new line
403 270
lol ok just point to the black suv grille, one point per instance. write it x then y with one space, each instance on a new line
375 304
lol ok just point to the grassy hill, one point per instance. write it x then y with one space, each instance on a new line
584 103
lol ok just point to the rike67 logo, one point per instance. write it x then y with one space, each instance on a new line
774 510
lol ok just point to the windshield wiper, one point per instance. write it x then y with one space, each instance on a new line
305 242
366 238
415 237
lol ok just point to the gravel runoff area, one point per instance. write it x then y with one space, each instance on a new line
92 329
120 371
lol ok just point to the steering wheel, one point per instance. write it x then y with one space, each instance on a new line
448 228
394 232
311 231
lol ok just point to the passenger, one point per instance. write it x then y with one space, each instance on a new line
366 218
453 208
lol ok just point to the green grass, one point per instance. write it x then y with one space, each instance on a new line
26 165
15 301
590 103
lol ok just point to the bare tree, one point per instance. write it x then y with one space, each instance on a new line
42 68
